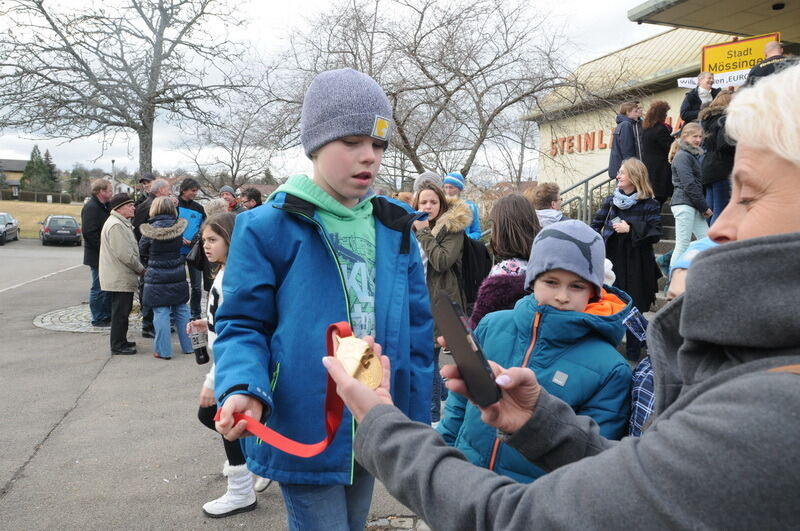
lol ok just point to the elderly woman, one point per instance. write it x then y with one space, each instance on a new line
722 450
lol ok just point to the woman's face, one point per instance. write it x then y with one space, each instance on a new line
429 202
695 139
765 197
624 182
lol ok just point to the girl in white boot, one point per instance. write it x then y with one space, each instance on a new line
241 493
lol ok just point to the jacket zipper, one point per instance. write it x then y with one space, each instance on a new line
324 237
534 336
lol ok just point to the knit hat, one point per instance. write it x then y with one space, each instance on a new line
454 178
228 189
118 200
342 103
427 177
569 245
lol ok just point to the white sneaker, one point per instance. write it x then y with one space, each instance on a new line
240 496
261 484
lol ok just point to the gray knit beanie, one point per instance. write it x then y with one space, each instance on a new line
425 178
228 189
342 103
569 245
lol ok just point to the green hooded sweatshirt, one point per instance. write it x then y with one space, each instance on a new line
351 232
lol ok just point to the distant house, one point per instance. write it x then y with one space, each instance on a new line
13 170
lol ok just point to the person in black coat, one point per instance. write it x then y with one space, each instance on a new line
695 98
656 141
717 164
165 287
630 223
93 215
626 142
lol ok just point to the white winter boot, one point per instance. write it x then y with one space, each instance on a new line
240 496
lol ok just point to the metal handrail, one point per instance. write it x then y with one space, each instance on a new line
585 193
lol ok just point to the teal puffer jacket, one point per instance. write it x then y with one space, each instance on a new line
574 357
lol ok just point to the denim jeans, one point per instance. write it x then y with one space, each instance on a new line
718 195
196 286
99 300
329 507
688 221
163 341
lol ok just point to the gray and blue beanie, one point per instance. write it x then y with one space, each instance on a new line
454 178
569 245
341 103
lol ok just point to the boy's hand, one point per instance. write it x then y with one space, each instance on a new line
517 403
708 213
419 225
359 398
249 405
206 397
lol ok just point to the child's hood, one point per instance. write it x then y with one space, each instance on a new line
559 329
305 188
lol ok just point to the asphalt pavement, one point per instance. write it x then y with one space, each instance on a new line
94 441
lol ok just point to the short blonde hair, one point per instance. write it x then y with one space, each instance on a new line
765 116
162 205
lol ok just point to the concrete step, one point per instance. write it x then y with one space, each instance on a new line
663 246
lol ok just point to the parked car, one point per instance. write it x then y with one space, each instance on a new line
60 229
9 228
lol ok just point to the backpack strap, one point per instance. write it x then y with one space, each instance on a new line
794 369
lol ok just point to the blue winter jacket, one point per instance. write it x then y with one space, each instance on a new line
165 276
627 143
574 358
474 229
282 288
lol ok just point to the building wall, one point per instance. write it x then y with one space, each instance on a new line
577 147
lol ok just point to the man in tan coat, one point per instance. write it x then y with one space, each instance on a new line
120 269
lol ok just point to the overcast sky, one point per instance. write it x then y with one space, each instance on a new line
594 29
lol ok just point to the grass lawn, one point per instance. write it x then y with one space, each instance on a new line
29 214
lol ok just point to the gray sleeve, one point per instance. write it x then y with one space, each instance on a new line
721 462
556 436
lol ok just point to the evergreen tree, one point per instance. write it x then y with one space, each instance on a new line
35 175
51 176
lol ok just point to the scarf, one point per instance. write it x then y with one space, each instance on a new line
705 95
622 201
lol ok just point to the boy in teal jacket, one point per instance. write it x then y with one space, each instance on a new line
322 250
566 332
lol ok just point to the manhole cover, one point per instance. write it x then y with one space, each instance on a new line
79 319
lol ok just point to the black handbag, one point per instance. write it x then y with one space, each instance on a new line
197 255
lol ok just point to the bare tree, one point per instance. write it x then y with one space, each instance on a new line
111 69
451 70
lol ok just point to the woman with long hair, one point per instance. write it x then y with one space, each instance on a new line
441 240
165 288
514 226
656 140
630 223
718 161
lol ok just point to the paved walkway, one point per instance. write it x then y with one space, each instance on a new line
93 441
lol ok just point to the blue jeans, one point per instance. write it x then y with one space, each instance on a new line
329 507
196 284
688 221
99 300
163 341
718 195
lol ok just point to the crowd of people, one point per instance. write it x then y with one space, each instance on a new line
550 316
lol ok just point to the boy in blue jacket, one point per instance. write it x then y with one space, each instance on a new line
322 250
566 332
